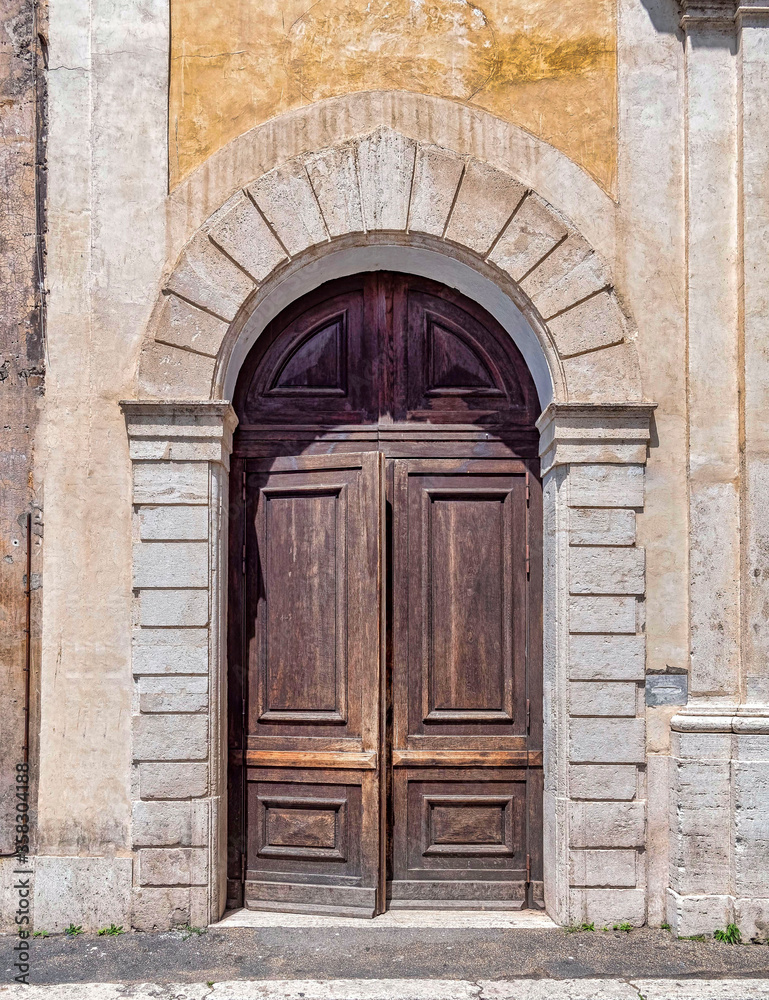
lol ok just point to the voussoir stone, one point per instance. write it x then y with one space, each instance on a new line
594 377
486 200
205 276
570 273
167 371
244 235
288 202
386 167
532 233
184 325
437 173
593 323
333 174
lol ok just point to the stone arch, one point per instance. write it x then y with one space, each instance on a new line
427 180
385 188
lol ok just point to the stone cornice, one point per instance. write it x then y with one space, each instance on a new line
720 13
179 430
594 433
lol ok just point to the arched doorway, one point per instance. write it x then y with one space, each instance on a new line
385 596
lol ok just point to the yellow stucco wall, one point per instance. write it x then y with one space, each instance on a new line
546 65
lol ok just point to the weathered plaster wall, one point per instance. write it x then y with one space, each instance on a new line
22 254
541 64
107 170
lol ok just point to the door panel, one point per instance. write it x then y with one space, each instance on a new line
459 588
459 837
313 584
312 727
460 637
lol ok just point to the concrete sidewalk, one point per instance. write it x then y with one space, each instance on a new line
408 989
367 950
422 955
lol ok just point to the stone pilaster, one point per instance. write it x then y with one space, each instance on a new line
593 460
720 741
180 455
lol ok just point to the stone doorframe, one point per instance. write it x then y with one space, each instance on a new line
385 200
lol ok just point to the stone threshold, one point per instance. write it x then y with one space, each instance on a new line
509 919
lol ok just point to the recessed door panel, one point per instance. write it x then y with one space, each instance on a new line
468 605
312 551
460 626
302 547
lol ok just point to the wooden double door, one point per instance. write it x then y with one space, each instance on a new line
385 609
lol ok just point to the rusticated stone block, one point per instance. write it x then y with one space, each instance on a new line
174 607
170 482
172 693
602 527
596 570
606 486
174 866
170 824
172 523
701 819
156 909
92 892
172 780
607 657
751 828
606 824
170 737
603 869
698 914
603 781
170 564
170 651
608 906
610 698
607 741
602 614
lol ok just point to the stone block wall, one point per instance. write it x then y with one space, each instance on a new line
593 463
606 668
180 516
719 822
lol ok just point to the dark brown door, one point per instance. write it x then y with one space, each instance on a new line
462 787
312 566
385 608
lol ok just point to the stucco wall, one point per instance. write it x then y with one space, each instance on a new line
548 67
